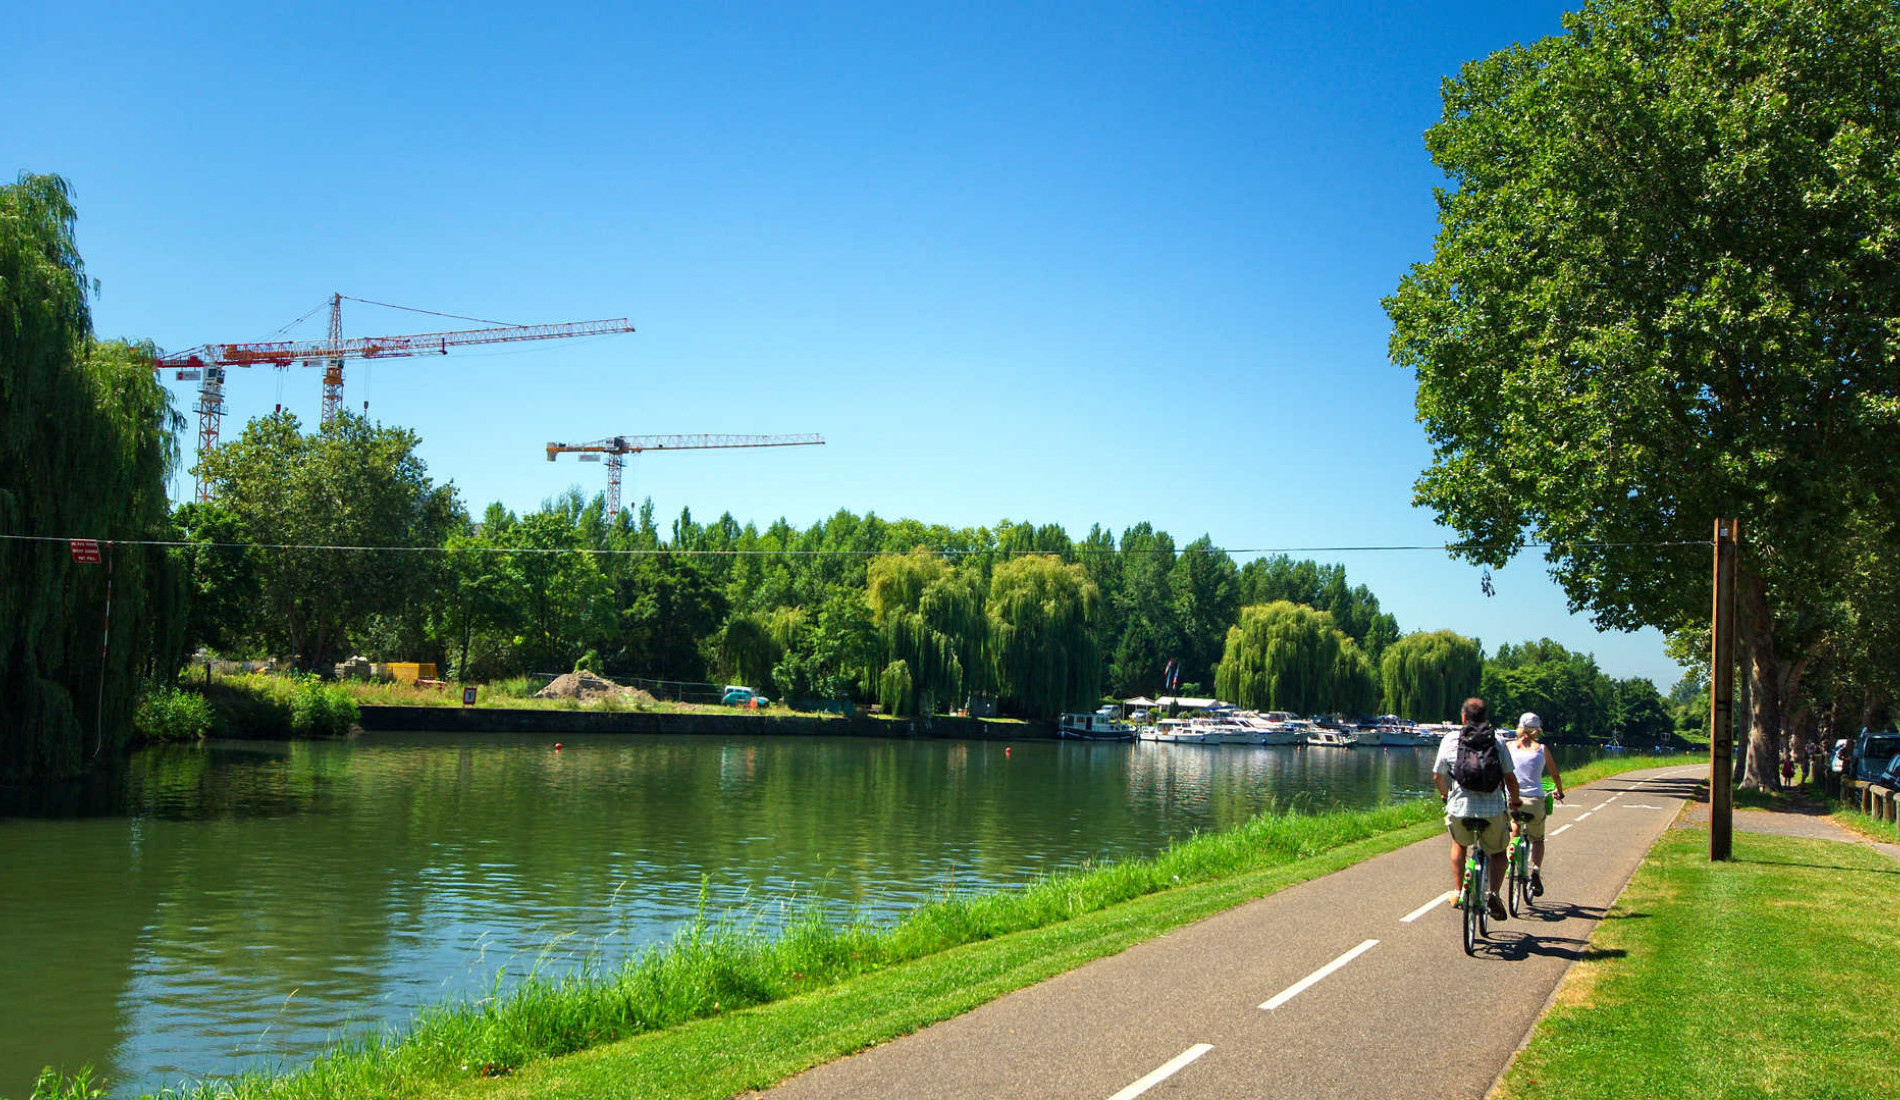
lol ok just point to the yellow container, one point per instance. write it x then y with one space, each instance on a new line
408 672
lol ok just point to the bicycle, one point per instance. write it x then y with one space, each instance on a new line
1477 885
1517 876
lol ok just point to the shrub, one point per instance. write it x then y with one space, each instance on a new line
172 714
318 709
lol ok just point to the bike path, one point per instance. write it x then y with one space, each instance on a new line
1350 985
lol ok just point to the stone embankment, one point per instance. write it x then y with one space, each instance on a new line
507 720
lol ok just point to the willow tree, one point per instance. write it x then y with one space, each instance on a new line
1286 656
86 445
929 617
1663 291
1042 635
1429 675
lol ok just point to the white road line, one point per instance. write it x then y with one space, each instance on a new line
1179 1062
1583 815
1639 806
1303 984
1430 905
1554 832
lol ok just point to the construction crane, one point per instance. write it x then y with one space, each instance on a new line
617 448
206 364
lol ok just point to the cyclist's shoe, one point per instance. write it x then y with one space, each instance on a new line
1537 882
1496 905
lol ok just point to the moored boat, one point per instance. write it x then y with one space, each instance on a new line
1094 727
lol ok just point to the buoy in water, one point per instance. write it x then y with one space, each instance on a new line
557 746
1005 750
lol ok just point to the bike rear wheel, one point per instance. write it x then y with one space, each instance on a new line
1482 895
1473 912
1519 887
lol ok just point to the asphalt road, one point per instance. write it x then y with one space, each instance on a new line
1371 993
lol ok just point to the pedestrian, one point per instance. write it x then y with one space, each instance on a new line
1787 770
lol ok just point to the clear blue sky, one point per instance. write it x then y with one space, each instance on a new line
1074 264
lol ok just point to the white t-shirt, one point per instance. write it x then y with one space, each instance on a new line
1529 766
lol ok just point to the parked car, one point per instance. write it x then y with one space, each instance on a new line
736 696
1873 752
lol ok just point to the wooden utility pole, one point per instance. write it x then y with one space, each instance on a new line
1722 694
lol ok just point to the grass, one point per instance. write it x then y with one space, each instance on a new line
723 1008
1767 976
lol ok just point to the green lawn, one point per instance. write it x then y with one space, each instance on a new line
1768 976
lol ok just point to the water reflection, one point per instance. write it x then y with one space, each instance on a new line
219 905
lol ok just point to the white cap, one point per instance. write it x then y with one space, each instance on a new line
1529 721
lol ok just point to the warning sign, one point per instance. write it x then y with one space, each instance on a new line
85 551
468 696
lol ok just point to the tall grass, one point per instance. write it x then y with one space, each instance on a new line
172 714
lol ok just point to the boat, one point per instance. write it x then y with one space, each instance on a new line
1094 727
1324 736
1180 730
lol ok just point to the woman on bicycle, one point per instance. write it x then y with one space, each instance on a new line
1530 760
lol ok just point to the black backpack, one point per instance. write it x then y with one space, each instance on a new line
1477 767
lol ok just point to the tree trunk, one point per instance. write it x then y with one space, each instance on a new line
1767 675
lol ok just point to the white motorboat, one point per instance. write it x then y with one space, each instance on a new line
1330 737
1182 731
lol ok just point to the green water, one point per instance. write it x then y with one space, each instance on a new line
242 904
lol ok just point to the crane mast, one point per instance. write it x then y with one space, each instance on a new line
615 450
207 363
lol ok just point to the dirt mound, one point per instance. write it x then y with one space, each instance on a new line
585 686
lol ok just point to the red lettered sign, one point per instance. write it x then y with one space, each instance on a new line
468 696
85 551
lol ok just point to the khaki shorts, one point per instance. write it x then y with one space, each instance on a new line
1534 828
1495 836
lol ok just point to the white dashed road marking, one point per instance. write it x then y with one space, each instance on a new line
1303 984
1174 1066
1554 832
1434 903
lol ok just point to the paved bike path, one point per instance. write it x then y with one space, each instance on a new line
1371 992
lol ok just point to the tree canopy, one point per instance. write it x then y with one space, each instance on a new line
1663 291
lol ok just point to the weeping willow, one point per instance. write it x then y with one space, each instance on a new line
1428 675
1287 656
929 617
87 441
1043 617
746 650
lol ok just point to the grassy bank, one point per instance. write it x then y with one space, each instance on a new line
723 1008
253 705
1765 976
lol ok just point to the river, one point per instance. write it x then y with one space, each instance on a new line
241 904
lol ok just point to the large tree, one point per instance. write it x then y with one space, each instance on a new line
1042 617
1287 656
929 615
86 445
1426 675
353 485
1665 289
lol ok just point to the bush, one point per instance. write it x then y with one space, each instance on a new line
318 709
172 714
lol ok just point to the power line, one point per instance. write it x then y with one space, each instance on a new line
834 552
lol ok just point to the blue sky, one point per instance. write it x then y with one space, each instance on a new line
1074 264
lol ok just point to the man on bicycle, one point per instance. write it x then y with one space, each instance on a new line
1531 761
1474 782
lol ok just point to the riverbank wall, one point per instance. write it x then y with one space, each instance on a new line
522 720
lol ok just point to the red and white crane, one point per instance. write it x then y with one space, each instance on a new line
617 448
206 364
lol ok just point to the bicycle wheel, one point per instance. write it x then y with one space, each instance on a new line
1473 910
1518 888
1483 894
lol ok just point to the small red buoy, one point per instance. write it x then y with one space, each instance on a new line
557 746
1005 750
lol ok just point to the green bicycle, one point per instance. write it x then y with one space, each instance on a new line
1477 884
1517 875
